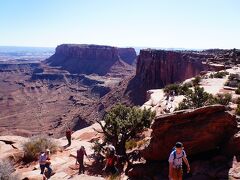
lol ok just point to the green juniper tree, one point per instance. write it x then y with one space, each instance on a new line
122 123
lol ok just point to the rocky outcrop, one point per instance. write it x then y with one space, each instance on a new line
90 59
201 130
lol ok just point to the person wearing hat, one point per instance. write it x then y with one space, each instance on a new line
44 162
111 162
177 156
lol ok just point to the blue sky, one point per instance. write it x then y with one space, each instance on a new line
144 23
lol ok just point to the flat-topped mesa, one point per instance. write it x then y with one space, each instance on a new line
88 59
90 52
157 68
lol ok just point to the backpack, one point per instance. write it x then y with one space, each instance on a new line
111 160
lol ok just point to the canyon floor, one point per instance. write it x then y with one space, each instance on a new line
46 102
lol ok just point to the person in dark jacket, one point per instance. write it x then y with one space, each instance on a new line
80 159
69 136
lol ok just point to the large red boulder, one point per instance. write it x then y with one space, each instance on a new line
200 130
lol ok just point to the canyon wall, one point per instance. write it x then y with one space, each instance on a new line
157 68
90 59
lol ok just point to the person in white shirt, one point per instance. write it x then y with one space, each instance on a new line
177 156
44 162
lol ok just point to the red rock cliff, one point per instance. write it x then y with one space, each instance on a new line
157 68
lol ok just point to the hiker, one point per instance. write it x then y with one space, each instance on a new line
109 148
44 162
111 161
69 136
80 156
175 162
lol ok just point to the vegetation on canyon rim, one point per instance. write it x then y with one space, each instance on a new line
123 123
36 145
233 80
220 74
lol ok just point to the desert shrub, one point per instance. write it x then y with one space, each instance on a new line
183 105
219 74
238 110
237 91
131 144
177 88
185 88
223 99
97 147
232 83
196 80
233 80
6 171
198 97
233 77
194 99
36 145
238 101
172 87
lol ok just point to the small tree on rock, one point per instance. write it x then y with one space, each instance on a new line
122 123
195 99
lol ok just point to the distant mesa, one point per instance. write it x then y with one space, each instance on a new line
91 59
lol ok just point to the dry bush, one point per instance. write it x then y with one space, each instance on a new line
37 144
6 171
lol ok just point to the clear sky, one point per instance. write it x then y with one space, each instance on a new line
144 23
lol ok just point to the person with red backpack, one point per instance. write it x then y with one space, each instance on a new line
80 157
175 162
69 136
111 161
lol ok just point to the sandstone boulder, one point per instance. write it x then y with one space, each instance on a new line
200 130
15 141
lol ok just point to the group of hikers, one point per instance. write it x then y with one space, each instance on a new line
176 159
